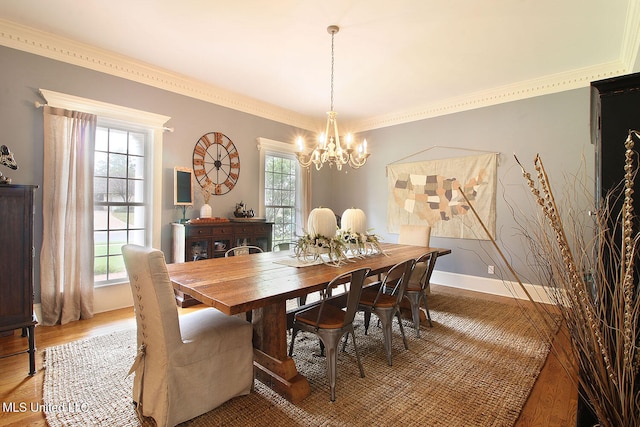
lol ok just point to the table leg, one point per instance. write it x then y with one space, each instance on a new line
273 365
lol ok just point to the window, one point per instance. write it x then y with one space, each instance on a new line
284 190
121 200
280 176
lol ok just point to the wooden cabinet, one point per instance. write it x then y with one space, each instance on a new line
193 242
16 263
615 104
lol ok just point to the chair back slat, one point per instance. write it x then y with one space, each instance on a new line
429 259
396 279
355 278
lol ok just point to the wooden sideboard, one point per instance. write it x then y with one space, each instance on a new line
16 262
193 242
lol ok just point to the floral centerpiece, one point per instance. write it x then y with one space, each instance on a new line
355 235
321 238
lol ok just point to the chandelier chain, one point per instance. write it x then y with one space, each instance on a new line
332 62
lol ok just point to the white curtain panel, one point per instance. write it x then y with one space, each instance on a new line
66 258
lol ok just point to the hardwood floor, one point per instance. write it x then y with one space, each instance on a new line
552 402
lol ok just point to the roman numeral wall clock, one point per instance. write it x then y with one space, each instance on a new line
216 160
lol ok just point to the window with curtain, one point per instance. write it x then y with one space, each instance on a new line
280 190
121 198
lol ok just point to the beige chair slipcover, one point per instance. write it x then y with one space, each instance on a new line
415 235
186 365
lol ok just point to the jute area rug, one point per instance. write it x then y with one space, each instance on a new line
475 367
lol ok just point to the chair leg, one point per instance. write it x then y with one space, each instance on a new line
404 338
294 332
414 301
330 340
426 307
355 348
386 317
367 319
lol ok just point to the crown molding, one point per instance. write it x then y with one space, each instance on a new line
51 46
527 89
66 50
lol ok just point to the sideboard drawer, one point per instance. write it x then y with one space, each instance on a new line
193 231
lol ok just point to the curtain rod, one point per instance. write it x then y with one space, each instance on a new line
39 104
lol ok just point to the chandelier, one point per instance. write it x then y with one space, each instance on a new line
329 149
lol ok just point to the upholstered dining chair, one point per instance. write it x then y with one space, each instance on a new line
186 365
330 322
418 287
243 250
383 298
416 235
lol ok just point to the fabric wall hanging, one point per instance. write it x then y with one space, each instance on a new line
428 193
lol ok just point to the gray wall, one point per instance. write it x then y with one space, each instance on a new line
557 126
22 74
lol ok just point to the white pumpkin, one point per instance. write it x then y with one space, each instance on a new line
354 220
322 222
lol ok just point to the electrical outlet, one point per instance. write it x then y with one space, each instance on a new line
490 269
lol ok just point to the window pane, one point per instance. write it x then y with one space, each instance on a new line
99 189
117 269
100 164
136 191
117 218
117 190
137 217
137 237
136 167
116 240
118 165
117 141
102 139
136 144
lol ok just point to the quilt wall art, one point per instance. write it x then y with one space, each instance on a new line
428 193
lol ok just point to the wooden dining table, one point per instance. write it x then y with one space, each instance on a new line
263 283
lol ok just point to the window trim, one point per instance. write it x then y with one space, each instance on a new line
130 117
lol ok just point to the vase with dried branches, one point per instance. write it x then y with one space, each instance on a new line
592 278
205 210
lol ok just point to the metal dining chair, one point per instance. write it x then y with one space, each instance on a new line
383 298
330 322
418 287
243 250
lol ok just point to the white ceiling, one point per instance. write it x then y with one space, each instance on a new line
394 61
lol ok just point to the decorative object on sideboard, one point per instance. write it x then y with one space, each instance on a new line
329 149
242 212
6 158
207 189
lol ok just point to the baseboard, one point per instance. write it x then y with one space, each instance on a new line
490 286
